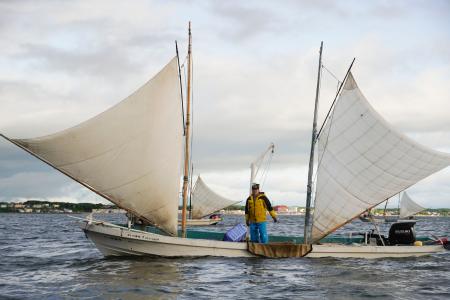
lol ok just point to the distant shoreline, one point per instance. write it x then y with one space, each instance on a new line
225 213
47 207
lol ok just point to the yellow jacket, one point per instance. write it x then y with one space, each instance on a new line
255 210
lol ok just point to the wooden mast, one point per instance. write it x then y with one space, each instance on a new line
187 142
311 156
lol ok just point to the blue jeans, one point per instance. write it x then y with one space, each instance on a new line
258 233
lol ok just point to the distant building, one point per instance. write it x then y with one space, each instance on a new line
3 205
294 209
108 211
281 208
19 205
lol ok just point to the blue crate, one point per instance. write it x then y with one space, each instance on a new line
236 234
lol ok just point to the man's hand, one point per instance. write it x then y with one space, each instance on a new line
275 220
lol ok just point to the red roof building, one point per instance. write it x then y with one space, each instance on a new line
281 208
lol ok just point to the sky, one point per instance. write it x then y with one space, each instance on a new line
255 68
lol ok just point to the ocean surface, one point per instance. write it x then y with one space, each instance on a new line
46 256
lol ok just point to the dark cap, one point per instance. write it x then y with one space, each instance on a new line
255 186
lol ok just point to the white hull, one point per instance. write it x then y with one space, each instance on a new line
117 241
368 251
114 240
201 222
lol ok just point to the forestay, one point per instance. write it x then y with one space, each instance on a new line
130 154
408 207
363 161
205 201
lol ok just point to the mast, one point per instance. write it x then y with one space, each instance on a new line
190 192
311 156
186 152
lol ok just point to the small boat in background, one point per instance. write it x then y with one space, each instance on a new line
409 208
205 202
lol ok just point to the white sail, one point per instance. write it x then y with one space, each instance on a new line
408 207
130 154
205 201
363 161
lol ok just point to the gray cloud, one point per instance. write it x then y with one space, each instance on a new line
242 20
254 77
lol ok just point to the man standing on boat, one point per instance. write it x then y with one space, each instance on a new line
255 215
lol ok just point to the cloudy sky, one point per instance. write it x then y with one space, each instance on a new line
255 65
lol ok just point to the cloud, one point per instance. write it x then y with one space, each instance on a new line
255 67
243 20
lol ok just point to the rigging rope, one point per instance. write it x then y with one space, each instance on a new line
259 165
332 74
192 119
181 88
266 171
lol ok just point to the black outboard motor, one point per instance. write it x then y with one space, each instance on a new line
402 233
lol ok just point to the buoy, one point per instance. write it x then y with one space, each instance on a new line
417 243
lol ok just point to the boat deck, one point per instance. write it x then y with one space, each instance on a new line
218 236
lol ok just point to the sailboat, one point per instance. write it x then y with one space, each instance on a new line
131 155
204 202
408 208
362 162
368 216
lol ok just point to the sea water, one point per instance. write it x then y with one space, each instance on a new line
47 256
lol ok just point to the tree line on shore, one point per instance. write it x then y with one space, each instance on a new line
47 206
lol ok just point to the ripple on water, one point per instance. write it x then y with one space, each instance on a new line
49 257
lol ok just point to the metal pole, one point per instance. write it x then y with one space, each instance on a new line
186 152
311 156
252 175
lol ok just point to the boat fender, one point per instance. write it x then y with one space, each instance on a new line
442 241
445 243
417 243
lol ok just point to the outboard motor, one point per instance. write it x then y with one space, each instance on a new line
402 233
